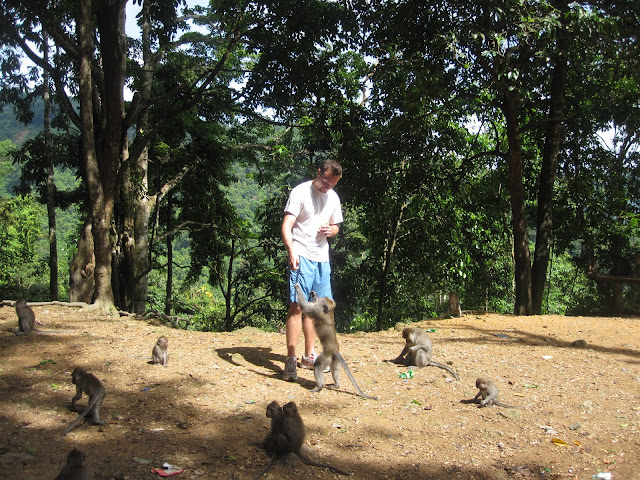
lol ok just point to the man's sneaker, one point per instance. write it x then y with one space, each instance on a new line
308 362
290 369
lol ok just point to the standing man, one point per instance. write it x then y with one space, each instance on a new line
313 214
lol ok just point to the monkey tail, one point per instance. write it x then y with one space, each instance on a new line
504 405
352 378
308 461
81 416
267 468
446 367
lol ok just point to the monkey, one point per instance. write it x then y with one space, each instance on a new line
89 384
75 468
454 305
488 395
287 436
320 309
417 351
160 353
27 321
274 440
26 318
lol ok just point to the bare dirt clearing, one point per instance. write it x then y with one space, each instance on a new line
205 411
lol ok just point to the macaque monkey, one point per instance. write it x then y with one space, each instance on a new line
320 310
488 395
274 440
160 353
287 436
417 351
26 318
89 384
74 469
27 321
454 305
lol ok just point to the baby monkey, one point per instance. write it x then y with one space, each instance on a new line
287 436
160 352
75 468
488 395
417 351
89 384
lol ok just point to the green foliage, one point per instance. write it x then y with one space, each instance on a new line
19 231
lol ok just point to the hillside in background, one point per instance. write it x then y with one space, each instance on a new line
17 132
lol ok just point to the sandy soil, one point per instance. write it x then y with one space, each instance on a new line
205 411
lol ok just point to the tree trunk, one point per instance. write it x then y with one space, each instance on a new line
81 281
522 256
168 301
100 213
51 187
553 139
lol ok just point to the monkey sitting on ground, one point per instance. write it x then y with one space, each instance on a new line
27 321
160 353
320 310
417 351
89 384
488 395
454 305
287 436
75 468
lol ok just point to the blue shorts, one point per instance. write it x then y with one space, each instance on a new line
311 275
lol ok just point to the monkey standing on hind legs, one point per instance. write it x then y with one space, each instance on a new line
417 351
320 310
74 468
287 436
160 352
89 384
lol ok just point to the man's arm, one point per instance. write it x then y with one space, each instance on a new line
287 239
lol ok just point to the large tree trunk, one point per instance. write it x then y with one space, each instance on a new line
102 143
522 256
553 139
99 211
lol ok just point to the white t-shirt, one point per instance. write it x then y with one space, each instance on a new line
312 209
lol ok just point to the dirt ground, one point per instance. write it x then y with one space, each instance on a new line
206 411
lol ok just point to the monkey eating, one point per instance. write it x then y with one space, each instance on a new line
417 351
320 310
287 435
75 468
89 384
160 353
488 395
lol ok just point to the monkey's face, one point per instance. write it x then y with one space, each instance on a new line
272 409
77 373
163 341
480 384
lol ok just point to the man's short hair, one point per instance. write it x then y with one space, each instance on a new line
333 166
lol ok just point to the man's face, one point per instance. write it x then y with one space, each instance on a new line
325 181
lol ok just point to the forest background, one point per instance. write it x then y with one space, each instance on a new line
489 149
